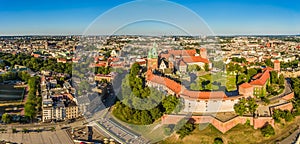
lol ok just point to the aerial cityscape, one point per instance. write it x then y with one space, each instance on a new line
150 71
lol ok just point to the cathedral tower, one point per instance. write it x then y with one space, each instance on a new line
152 58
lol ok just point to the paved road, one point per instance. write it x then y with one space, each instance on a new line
287 90
104 123
291 139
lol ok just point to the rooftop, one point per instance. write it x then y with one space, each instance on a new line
261 79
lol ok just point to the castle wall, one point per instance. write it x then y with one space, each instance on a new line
288 96
287 106
221 126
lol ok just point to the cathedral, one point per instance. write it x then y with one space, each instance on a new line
171 61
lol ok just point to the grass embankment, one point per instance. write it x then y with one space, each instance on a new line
241 134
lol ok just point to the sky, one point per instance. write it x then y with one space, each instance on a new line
221 17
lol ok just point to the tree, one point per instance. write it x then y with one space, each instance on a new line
288 116
170 103
242 78
276 115
240 108
274 77
155 113
269 63
251 72
135 68
30 110
230 67
146 117
281 80
192 68
267 131
6 118
127 113
218 140
238 68
252 106
186 130
206 67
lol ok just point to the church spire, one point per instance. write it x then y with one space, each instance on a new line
154 51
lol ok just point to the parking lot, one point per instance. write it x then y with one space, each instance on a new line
119 131
45 137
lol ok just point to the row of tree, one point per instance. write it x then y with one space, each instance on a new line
36 64
280 114
33 102
296 101
145 116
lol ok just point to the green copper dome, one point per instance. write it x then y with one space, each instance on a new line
153 52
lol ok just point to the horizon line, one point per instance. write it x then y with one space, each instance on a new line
24 35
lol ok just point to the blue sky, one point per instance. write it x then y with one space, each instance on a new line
56 17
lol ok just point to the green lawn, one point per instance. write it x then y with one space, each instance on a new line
231 83
228 81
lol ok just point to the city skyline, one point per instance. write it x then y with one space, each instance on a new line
223 17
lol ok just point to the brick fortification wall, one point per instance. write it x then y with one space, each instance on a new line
221 126
286 106
288 96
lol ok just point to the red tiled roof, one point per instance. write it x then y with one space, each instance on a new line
36 55
245 85
212 94
172 85
268 68
119 64
257 76
192 59
204 94
61 60
142 62
262 79
98 65
113 59
178 89
183 53
182 63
